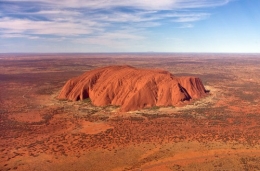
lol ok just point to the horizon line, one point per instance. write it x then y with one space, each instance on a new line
129 52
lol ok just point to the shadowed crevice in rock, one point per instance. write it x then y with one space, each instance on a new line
132 88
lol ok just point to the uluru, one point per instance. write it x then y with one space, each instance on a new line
132 88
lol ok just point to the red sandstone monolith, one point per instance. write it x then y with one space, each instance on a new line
132 88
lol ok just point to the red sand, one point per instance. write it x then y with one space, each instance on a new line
29 117
132 88
93 127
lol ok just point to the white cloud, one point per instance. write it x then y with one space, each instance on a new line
191 17
112 37
101 4
8 35
200 3
106 22
19 26
144 4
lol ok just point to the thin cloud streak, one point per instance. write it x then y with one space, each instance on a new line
19 36
186 26
192 17
10 25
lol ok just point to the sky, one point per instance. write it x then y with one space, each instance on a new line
53 26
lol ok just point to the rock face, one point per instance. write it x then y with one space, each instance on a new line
132 88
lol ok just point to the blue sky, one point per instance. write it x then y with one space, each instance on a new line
130 26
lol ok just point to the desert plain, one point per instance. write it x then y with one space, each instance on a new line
220 131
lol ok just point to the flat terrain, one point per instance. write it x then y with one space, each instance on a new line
218 132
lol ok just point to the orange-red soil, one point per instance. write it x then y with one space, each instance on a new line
217 132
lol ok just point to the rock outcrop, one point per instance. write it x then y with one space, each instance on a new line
132 88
